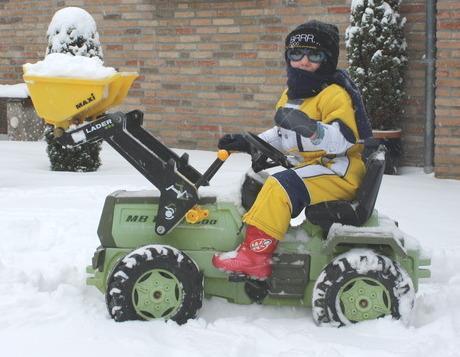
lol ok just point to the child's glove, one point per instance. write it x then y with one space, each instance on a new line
233 142
296 120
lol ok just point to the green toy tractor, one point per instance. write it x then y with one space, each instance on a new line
154 260
345 261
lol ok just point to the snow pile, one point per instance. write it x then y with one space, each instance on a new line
64 65
14 90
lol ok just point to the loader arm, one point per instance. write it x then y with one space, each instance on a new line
171 174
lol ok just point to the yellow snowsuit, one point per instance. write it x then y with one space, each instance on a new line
330 165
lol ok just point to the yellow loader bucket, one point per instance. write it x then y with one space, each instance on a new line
60 100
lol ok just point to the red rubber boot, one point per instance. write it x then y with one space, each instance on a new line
252 257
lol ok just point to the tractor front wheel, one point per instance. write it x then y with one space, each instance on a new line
155 282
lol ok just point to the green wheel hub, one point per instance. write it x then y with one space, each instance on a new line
157 294
364 298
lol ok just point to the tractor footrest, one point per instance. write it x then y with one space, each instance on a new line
290 275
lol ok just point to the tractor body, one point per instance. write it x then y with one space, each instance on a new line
128 221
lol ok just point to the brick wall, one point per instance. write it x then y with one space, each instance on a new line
447 142
414 120
207 67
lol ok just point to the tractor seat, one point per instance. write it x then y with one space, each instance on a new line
358 211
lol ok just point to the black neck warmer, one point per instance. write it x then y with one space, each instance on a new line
304 84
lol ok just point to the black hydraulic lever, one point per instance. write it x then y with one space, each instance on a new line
122 126
172 175
222 155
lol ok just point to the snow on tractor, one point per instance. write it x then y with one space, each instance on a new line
344 261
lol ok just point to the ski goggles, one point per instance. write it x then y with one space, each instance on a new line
314 56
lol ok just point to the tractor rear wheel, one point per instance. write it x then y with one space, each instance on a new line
155 282
361 285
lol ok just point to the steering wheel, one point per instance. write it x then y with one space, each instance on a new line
264 155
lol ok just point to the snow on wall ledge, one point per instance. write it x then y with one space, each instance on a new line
14 90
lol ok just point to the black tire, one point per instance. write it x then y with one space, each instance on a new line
361 285
155 281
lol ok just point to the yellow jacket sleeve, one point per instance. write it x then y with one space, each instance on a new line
335 104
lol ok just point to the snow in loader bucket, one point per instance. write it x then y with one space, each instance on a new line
61 100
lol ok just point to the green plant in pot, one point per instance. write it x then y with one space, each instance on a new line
377 56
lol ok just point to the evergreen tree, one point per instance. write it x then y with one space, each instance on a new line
73 31
377 56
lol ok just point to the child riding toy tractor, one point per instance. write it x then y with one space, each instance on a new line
154 260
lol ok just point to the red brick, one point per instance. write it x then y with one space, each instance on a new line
450 25
338 10
185 30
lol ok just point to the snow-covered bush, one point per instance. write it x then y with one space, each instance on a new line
377 55
73 31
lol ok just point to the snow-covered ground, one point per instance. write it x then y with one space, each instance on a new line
48 223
